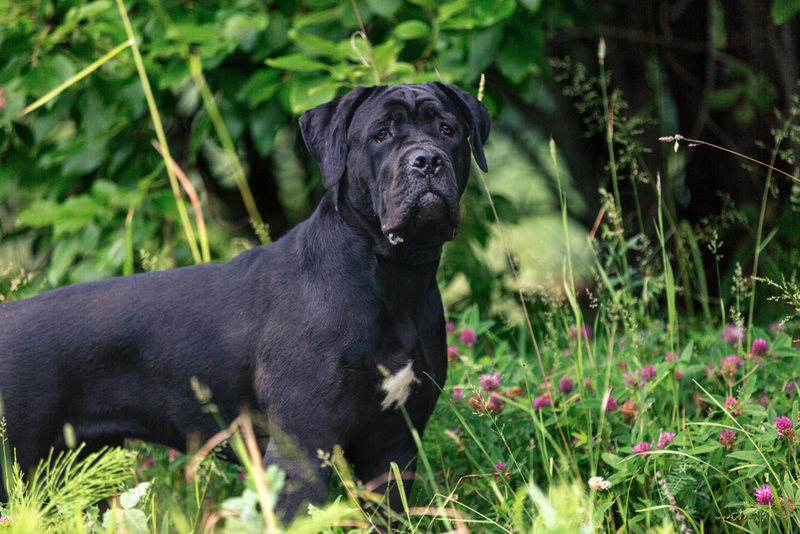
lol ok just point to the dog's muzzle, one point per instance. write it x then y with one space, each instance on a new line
427 184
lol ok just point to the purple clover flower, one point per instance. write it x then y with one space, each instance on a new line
566 385
759 347
782 425
449 327
764 496
642 449
541 402
489 382
499 467
468 337
648 373
611 404
733 335
727 437
664 439
458 394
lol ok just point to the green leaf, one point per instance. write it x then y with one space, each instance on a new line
131 498
316 45
704 449
385 8
783 10
412 29
296 63
686 354
748 456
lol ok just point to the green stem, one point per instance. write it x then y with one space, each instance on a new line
162 138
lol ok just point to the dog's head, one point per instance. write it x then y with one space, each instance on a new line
400 156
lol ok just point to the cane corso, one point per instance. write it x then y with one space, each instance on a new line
328 332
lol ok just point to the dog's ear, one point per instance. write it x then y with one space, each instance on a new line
477 116
324 130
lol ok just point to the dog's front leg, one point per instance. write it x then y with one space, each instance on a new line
307 479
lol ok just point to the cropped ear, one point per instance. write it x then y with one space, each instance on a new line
477 116
324 130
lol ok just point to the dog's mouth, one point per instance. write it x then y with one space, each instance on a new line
428 218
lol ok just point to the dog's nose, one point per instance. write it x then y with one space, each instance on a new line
426 160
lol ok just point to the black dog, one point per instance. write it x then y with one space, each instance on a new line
304 330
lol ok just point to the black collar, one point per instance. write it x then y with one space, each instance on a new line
418 256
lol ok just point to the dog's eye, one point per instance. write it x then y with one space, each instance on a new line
382 135
445 129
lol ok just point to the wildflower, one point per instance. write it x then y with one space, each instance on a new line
727 437
632 379
733 405
787 504
733 335
611 404
664 439
599 484
449 327
452 353
783 427
566 385
242 474
476 403
763 401
764 496
499 467
678 374
648 373
630 409
729 365
541 402
642 449
776 328
495 405
489 382
5 520
468 337
458 393
622 366
516 391
671 356
759 348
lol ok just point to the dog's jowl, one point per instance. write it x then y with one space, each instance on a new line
328 332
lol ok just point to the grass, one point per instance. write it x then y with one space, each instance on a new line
640 421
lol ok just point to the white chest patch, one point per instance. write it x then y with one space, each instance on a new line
398 387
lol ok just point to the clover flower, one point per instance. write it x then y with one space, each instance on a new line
733 335
630 409
449 327
648 373
759 348
642 449
763 401
599 484
729 365
468 337
5 520
733 405
476 403
764 496
783 427
728 438
452 353
566 385
541 402
495 405
678 374
670 357
457 394
589 385
489 382
664 439
611 404
632 379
